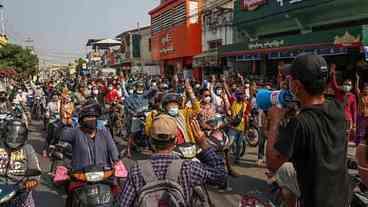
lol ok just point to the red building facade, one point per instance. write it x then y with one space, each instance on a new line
176 36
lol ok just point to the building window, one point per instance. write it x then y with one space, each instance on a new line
214 44
169 18
149 44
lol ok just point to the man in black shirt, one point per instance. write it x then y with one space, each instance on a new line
314 141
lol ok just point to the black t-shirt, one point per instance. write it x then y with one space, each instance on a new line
315 141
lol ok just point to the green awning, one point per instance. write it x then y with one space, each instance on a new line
342 37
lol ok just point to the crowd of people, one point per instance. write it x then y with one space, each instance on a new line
306 142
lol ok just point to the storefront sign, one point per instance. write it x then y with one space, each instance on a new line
251 5
166 44
337 38
267 8
268 44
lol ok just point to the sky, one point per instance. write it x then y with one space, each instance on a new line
60 28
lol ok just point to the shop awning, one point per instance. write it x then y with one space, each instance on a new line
338 38
208 58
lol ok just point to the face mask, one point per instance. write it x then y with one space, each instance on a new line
346 88
247 85
110 88
197 86
140 92
207 99
131 91
95 92
218 92
173 111
154 84
89 124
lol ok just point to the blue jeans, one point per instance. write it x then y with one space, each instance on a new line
237 137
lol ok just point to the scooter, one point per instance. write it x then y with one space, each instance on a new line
252 134
8 192
37 108
92 186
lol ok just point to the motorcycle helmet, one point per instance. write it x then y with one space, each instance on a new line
139 87
91 108
15 134
169 98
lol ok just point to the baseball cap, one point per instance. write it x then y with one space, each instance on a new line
164 128
307 68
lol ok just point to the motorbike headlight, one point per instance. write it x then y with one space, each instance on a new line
6 198
188 152
95 176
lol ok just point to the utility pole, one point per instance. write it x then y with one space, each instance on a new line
2 20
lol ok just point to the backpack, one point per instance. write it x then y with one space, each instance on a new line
161 193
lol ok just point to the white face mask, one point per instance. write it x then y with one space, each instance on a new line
247 85
218 92
110 88
207 99
347 88
95 92
173 111
130 91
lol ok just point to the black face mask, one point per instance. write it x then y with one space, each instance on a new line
90 124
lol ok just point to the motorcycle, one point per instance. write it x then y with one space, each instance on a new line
92 186
252 134
37 108
30 101
60 156
187 151
137 129
8 192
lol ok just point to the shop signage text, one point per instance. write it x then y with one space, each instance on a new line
283 2
166 44
268 44
251 5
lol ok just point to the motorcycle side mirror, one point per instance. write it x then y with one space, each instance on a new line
32 172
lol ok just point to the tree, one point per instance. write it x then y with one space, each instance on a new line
22 60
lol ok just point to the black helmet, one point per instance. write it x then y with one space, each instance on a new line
15 134
91 108
168 98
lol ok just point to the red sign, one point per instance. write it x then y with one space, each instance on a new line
251 5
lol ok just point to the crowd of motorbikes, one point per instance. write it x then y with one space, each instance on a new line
96 186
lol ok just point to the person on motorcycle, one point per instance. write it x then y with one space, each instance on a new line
53 110
135 105
16 158
172 105
164 137
81 95
4 103
20 97
38 91
112 95
91 146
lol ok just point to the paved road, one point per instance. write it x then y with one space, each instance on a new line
252 178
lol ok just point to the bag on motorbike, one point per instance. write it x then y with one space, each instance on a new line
155 192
